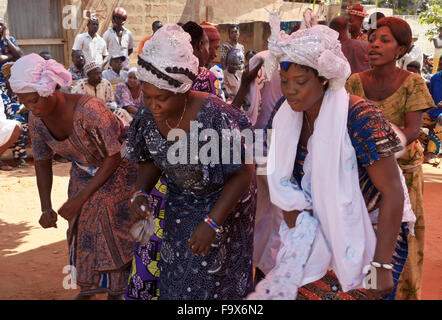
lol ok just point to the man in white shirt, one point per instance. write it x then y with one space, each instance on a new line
119 40
114 74
93 46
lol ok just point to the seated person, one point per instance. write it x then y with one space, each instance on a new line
128 95
414 67
115 74
77 69
94 85
15 110
233 73
10 131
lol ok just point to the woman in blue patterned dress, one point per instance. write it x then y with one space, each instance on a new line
15 110
207 244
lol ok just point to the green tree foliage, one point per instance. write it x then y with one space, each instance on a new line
432 14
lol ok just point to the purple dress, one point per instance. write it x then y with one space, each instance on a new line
192 190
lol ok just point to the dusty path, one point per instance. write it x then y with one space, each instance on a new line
32 259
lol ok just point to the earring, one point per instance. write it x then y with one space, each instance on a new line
325 82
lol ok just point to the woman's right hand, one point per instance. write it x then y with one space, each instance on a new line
291 216
139 209
48 219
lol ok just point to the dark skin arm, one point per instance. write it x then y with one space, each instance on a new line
413 122
436 45
246 79
14 52
129 51
131 109
72 207
385 176
147 177
43 171
234 189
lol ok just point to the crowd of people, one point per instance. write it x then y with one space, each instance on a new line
348 122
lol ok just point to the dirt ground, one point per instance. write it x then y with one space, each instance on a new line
32 258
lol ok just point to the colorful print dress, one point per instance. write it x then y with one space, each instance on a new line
373 139
12 110
412 95
192 190
100 244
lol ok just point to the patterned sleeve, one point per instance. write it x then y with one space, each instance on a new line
223 52
40 148
227 120
418 96
137 150
371 134
103 126
215 85
123 96
353 85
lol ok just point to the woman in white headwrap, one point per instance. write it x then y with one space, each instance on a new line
83 130
331 165
206 249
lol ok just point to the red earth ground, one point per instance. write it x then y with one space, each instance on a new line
32 259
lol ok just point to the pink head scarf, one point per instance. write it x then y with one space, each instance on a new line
32 73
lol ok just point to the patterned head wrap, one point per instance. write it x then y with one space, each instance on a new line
167 60
211 31
357 10
119 12
91 65
32 73
317 47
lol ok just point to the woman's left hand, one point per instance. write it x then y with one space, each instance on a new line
71 208
384 284
201 239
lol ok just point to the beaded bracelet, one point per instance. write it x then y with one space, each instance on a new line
139 193
381 265
213 224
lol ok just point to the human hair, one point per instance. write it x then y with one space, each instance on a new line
285 65
196 32
400 30
378 15
339 24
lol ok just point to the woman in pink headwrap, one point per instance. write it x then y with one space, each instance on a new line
82 129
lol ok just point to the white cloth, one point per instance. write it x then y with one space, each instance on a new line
32 73
268 218
415 54
113 77
169 47
117 48
6 126
283 281
317 47
93 48
345 240
264 93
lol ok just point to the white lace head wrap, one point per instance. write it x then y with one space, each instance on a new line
167 60
32 73
317 47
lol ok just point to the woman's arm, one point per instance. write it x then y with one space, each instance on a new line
72 207
413 122
43 171
233 191
385 176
